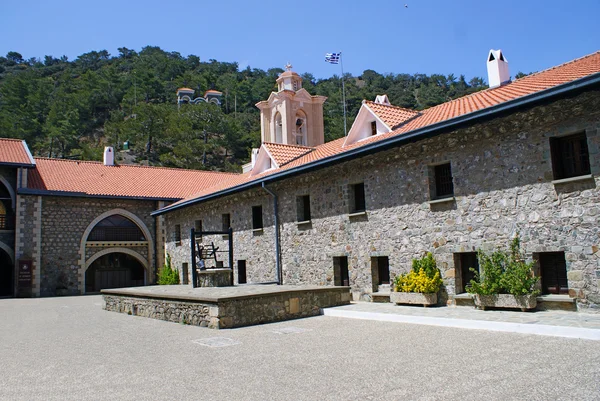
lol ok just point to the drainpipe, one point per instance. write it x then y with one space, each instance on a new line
278 271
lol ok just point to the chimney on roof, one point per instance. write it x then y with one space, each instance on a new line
109 156
383 99
497 68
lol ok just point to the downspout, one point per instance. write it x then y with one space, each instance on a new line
278 271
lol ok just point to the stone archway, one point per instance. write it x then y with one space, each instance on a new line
83 263
128 269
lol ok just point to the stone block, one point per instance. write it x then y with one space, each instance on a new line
575 275
294 305
450 273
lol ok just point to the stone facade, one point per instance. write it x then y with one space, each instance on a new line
53 229
502 175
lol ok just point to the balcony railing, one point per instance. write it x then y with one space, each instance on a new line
7 222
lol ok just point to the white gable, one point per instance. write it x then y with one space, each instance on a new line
362 126
263 162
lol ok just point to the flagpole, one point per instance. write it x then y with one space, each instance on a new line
343 94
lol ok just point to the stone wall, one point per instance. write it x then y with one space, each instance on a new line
502 183
64 221
232 312
27 245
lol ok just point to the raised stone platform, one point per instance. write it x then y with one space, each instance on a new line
225 307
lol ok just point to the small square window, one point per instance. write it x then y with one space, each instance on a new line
570 157
373 127
357 198
257 217
303 208
226 221
442 181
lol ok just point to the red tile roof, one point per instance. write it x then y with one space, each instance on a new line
283 154
564 73
392 116
15 151
185 90
94 178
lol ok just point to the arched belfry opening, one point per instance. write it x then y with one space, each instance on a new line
300 133
278 128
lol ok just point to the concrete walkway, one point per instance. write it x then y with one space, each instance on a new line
549 323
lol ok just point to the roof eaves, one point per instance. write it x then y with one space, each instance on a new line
411 136
42 192
12 164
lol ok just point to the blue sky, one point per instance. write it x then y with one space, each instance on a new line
430 36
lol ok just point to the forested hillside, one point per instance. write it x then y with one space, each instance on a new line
72 109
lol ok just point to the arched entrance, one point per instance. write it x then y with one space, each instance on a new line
7 269
114 270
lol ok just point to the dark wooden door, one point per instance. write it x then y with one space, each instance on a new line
383 265
553 270
468 260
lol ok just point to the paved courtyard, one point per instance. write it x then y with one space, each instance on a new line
71 349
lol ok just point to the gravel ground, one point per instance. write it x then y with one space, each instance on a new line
70 349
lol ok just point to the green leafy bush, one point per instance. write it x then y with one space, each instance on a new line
504 272
167 275
424 277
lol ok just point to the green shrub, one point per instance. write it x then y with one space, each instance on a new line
168 275
504 272
424 277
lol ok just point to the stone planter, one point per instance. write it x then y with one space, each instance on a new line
413 298
523 302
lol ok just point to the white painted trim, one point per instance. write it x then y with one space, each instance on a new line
507 327
90 227
573 179
28 152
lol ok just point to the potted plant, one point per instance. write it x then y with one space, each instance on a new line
419 286
505 281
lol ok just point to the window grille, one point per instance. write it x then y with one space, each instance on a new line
444 186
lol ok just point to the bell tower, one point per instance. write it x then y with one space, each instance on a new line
292 116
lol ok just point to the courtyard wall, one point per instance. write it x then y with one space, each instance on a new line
502 171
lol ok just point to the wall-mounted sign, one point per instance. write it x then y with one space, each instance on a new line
25 273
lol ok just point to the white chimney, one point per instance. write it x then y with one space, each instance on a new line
254 156
109 156
497 68
383 99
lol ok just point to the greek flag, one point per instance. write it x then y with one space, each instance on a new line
332 58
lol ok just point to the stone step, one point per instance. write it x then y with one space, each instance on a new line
380 296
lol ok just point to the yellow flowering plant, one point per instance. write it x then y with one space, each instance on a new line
424 277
